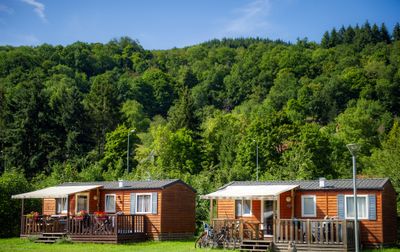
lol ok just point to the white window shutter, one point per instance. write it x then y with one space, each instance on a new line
133 203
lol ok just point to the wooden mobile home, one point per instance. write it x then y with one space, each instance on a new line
313 215
114 212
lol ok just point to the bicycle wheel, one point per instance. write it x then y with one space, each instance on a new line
202 241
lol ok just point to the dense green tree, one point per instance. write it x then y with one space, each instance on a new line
13 182
199 112
162 87
102 106
396 32
284 88
385 161
384 34
134 115
326 40
364 123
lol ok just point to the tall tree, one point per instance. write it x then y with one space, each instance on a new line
384 34
396 32
103 107
326 40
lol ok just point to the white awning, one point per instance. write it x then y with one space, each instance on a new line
249 192
54 192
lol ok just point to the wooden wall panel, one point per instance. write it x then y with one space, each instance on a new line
92 201
285 208
123 205
389 214
178 209
49 206
371 230
226 209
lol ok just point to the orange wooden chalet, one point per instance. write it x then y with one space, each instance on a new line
311 215
114 212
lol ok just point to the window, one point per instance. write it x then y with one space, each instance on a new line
61 205
362 206
110 203
82 202
143 203
242 207
308 206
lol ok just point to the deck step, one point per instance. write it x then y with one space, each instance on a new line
50 237
255 245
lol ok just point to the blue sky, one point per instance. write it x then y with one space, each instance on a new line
165 24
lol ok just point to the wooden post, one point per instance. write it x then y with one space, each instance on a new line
241 230
211 210
98 199
263 225
344 233
22 216
292 196
291 229
308 232
116 224
274 222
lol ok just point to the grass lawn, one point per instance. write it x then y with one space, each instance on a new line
17 244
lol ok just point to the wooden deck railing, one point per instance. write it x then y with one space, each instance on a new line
238 229
110 225
42 224
311 231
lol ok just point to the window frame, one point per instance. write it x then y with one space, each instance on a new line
366 208
251 207
314 197
137 201
76 201
115 203
61 205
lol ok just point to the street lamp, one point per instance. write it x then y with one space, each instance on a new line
256 157
354 148
127 152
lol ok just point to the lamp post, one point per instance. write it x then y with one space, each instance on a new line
127 152
256 158
354 148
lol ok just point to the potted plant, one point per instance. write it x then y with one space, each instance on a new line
81 215
100 215
33 216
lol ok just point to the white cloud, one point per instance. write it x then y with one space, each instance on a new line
6 9
37 7
249 19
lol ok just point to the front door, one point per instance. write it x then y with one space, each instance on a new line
268 217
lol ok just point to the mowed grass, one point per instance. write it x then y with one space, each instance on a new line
17 244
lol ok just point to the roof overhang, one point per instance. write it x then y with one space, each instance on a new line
54 192
267 192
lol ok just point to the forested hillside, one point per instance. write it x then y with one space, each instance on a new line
199 112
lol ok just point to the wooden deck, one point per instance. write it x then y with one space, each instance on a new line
305 234
109 229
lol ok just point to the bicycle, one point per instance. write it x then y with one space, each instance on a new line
206 237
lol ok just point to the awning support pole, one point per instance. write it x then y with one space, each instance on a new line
22 215
68 212
211 210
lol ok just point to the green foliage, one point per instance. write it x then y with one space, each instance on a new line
385 161
12 182
134 115
199 112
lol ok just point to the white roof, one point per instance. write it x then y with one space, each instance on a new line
249 192
54 192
